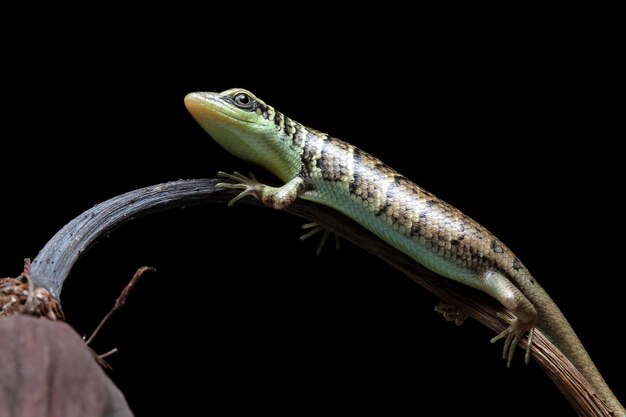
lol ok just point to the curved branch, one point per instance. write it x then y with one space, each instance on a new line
54 262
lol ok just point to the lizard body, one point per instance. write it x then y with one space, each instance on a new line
317 167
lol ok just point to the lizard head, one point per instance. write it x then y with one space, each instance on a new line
243 125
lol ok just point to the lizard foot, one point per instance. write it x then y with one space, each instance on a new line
514 334
451 313
248 185
315 229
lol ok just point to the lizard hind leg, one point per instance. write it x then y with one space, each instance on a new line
525 320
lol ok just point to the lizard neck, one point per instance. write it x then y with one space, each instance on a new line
287 142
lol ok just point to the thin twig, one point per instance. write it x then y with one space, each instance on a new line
30 305
107 354
119 303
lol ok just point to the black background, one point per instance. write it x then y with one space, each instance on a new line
513 127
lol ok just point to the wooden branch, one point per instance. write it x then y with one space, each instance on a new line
52 266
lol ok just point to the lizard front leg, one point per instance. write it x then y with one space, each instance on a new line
274 197
525 321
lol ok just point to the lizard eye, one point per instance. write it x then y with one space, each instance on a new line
243 101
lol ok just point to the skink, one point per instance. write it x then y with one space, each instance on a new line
317 167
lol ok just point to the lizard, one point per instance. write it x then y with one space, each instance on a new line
317 167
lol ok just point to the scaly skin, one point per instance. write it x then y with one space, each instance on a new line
317 167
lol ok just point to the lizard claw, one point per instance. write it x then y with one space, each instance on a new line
249 185
451 313
315 229
514 334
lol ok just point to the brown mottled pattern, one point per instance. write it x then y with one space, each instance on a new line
335 161
404 206
311 152
338 173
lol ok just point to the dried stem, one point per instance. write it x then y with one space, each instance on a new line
119 303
